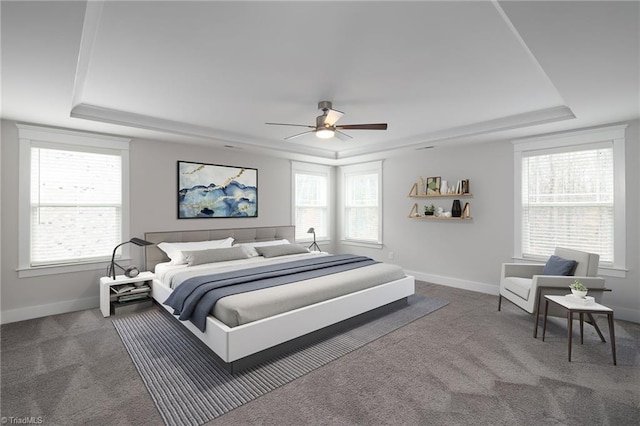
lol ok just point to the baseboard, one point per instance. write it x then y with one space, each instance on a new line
455 282
625 314
31 312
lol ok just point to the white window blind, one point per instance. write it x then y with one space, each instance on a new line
568 201
311 200
362 206
311 206
76 202
73 201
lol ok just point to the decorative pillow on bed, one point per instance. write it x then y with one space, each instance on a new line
250 247
174 250
198 257
281 250
559 266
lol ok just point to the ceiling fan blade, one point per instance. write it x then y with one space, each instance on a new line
287 124
342 135
332 117
378 126
299 134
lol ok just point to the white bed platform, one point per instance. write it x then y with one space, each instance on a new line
233 344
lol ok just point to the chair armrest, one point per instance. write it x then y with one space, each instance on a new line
561 281
521 270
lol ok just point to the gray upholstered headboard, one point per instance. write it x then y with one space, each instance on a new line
153 255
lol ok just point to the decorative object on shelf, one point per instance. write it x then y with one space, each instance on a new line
433 185
456 209
465 186
131 271
578 289
211 191
444 188
429 210
466 211
422 187
314 246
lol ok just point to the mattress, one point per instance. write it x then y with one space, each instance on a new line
247 307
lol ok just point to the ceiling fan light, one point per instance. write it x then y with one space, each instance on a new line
325 133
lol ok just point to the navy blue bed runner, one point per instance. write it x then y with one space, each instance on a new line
195 297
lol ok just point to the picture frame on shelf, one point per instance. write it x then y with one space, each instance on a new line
465 186
433 185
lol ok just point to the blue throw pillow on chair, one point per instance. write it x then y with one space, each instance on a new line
559 266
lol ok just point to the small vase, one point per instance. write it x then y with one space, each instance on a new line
579 293
456 209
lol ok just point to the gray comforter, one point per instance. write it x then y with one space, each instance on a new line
195 297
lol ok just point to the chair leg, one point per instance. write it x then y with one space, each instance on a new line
499 302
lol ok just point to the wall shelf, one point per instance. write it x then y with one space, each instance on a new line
467 194
417 192
439 218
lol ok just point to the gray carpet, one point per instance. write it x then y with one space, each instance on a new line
190 389
466 364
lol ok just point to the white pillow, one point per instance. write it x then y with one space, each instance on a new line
174 250
251 251
198 257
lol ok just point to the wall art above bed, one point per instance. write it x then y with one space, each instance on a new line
211 190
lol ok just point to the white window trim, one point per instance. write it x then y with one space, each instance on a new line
375 166
615 134
31 135
319 169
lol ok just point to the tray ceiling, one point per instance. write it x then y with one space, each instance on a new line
214 72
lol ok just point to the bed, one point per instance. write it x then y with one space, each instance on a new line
247 328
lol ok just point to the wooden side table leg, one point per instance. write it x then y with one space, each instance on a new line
612 336
595 325
544 321
582 328
570 328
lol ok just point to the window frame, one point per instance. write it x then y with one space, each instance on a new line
570 141
37 136
357 169
319 170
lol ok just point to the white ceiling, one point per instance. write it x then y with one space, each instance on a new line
213 72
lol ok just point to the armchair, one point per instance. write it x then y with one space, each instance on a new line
524 285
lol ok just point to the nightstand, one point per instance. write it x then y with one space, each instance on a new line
108 295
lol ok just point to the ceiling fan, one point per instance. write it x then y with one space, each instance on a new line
326 128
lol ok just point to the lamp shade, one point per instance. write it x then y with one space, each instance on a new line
140 242
311 231
112 266
325 133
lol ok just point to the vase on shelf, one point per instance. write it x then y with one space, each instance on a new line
456 209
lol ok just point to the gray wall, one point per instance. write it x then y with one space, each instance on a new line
461 254
469 254
153 208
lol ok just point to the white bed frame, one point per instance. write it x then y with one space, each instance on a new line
232 344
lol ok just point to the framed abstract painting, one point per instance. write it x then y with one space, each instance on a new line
212 190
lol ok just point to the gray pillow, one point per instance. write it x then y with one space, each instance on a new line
559 266
198 257
281 250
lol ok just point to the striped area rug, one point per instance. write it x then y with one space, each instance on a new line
189 388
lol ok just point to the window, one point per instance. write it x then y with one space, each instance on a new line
362 203
311 189
569 194
73 192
